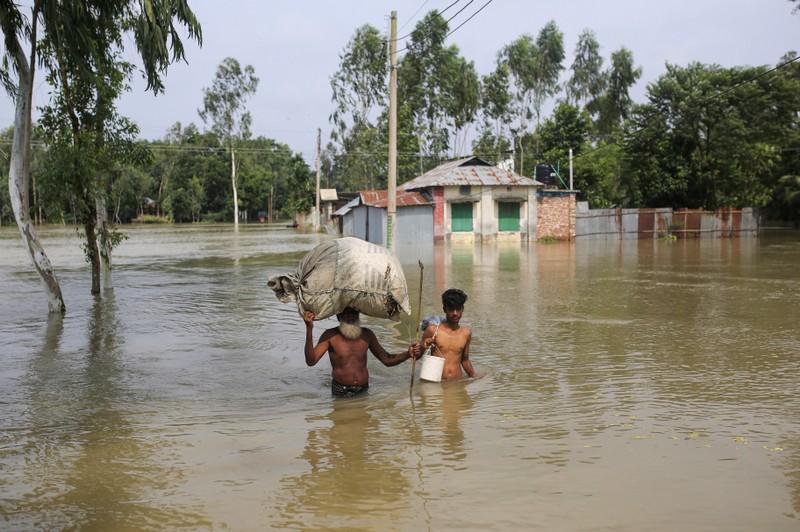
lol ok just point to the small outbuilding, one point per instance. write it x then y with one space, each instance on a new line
365 217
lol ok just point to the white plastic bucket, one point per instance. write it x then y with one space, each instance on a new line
432 368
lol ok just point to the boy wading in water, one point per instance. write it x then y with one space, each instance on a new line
449 339
348 344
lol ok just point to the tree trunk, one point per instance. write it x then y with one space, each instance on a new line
104 241
235 194
19 180
92 253
271 202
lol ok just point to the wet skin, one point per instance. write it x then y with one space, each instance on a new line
349 357
452 342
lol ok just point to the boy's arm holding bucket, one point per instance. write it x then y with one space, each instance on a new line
427 337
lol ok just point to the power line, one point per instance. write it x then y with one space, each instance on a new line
470 18
459 11
460 25
415 14
702 101
407 35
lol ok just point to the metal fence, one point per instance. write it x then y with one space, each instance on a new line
661 222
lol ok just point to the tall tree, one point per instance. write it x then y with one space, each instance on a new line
359 97
615 104
155 28
224 107
462 101
519 59
496 99
534 67
430 78
359 85
548 65
587 81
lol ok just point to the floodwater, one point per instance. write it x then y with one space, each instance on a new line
631 385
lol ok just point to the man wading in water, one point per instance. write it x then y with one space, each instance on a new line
449 339
347 345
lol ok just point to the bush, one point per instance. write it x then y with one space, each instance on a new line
151 219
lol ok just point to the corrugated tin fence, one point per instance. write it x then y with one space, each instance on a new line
653 223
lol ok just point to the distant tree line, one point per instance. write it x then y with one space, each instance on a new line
184 177
705 136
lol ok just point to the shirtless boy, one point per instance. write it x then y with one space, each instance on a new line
347 345
449 339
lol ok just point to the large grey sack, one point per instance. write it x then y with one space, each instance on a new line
346 272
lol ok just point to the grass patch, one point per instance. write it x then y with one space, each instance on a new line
547 240
151 219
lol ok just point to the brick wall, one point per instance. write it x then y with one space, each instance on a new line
555 216
439 206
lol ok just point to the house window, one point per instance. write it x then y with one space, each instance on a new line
464 190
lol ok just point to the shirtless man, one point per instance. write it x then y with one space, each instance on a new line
347 345
449 339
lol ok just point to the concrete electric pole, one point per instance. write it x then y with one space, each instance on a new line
319 156
391 217
570 168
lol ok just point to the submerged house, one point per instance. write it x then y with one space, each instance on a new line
472 198
465 200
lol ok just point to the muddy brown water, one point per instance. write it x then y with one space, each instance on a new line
632 385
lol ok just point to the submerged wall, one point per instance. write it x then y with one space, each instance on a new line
653 223
555 210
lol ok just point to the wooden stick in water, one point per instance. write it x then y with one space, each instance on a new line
419 318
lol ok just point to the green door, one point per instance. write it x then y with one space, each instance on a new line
509 216
462 217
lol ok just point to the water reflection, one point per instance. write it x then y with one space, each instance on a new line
355 478
89 465
441 407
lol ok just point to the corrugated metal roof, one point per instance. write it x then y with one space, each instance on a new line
347 207
468 171
380 198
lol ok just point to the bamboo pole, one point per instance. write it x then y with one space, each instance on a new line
416 323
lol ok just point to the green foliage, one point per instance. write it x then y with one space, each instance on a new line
360 83
224 102
151 219
705 139
439 87
588 80
534 67
786 199
614 105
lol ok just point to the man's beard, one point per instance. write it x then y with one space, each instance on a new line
350 330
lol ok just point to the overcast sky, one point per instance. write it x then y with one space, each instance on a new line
294 48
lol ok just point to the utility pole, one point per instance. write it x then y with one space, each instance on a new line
319 156
391 207
570 168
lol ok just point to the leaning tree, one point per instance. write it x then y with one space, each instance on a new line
57 29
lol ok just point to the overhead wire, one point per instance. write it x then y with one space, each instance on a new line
407 35
460 25
409 19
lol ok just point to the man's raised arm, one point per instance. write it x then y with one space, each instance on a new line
314 354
